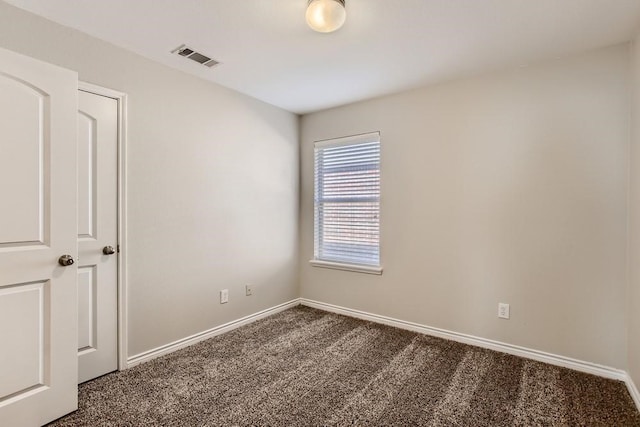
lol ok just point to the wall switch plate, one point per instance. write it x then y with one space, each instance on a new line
224 296
503 310
248 290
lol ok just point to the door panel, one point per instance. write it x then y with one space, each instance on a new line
38 222
97 228
25 305
87 302
87 150
26 138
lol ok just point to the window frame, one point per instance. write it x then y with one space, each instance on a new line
344 265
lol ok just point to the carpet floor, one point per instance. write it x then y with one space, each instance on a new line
306 367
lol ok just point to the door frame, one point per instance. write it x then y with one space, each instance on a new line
121 98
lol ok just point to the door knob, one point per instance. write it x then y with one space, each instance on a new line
108 250
66 260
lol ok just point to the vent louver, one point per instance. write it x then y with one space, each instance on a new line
187 52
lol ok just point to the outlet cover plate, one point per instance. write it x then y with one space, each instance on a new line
248 290
224 296
503 310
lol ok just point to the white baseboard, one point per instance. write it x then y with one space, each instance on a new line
565 362
633 391
193 339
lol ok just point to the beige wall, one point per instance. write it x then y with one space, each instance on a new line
212 186
634 227
511 187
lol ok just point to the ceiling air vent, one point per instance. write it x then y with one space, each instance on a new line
183 50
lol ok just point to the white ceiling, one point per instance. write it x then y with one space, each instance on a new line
268 52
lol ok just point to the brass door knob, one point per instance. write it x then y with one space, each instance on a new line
108 250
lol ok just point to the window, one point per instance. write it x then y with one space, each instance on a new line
347 203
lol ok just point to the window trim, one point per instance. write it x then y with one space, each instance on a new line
357 268
345 266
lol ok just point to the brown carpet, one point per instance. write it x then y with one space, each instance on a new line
305 367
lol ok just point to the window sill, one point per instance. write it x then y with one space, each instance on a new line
346 267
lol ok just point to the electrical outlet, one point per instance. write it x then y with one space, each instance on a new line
224 296
503 310
248 290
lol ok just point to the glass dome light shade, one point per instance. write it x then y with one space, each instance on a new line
326 16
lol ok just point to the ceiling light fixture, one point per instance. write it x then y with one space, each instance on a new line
326 16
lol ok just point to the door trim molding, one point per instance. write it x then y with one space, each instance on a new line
121 98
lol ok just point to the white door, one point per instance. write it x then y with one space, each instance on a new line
38 222
97 235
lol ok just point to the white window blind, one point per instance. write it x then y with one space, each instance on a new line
347 200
